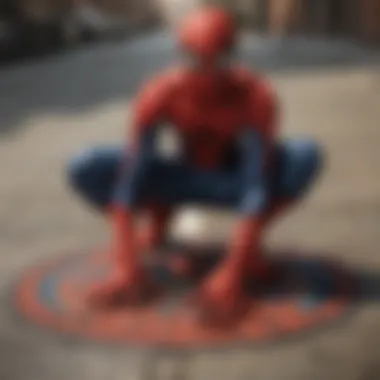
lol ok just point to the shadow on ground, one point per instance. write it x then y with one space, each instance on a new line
74 81
44 352
303 289
307 273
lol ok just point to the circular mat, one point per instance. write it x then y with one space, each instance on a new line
309 293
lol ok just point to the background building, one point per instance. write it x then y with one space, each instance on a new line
36 26
359 19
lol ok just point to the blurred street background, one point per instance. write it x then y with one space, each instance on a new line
67 73
33 27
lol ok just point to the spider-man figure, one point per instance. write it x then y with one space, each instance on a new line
226 118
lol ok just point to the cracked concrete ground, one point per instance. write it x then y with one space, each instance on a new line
50 109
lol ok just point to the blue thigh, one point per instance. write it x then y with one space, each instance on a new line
297 163
93 173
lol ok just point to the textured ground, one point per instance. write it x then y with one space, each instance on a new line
48 110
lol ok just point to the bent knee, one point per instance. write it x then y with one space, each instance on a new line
307 155
304 161
80 167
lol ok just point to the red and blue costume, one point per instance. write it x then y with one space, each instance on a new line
226 118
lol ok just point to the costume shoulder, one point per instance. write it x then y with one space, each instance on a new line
263 103
153 97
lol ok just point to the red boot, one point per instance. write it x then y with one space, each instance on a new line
127 284
124 289
221 299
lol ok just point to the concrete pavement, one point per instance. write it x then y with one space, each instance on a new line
50 109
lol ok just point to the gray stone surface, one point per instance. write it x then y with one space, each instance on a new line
50 109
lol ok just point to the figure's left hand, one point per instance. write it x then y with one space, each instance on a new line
221 300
